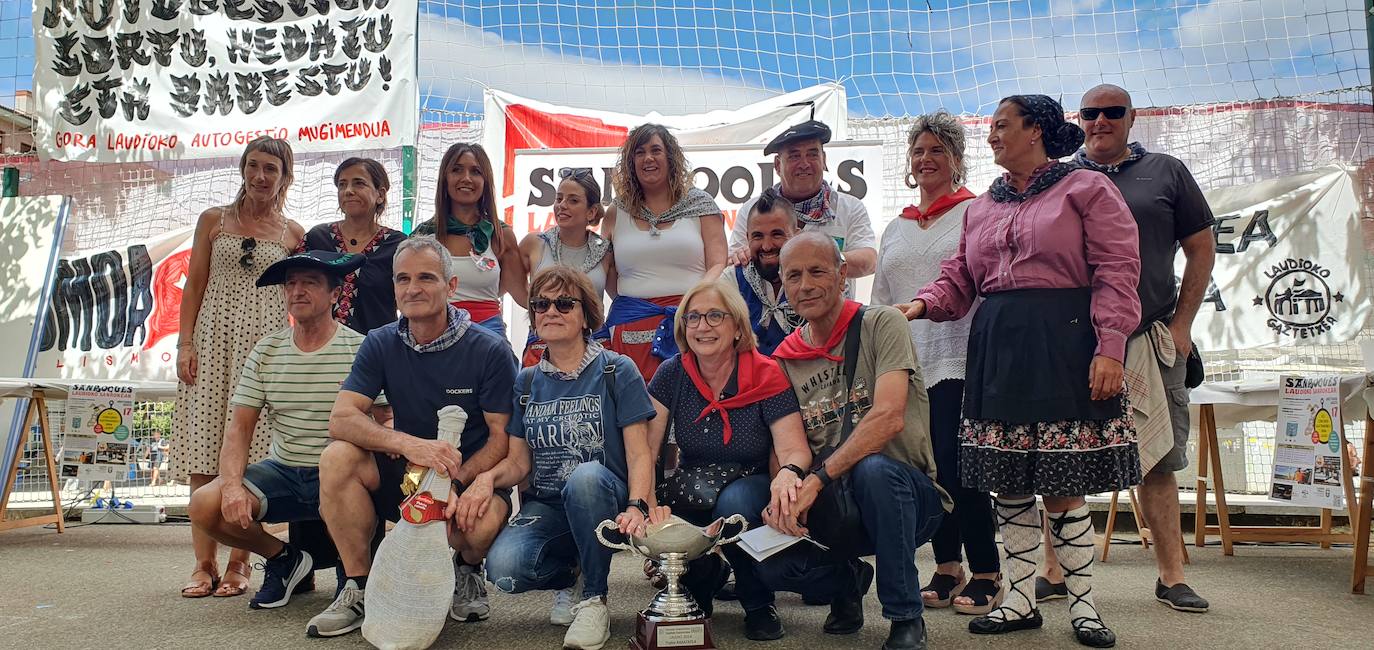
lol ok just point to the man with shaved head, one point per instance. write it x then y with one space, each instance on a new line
866 414
1171 213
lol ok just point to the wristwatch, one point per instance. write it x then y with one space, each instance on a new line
801 473
641 505
822 476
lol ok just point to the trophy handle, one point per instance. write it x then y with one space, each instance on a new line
611 525
732 519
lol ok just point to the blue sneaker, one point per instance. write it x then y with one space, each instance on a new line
280 577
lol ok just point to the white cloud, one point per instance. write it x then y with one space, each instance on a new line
458 59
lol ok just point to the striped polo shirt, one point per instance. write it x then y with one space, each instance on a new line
297 390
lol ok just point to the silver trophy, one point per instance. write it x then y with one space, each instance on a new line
673 618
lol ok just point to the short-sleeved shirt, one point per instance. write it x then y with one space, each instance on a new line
884 346
565 421
852 229
476 373
1168 207
371 298
699 443
297 389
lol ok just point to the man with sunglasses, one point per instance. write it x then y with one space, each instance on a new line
1171 213
772 221
431 358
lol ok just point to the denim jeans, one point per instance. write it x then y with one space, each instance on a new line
747 496
901 509
546 541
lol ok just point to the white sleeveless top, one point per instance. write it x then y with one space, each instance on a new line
573 258
479 276
651 267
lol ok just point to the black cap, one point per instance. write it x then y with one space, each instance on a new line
808 130
327 262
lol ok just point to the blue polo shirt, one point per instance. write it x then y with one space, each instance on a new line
476 373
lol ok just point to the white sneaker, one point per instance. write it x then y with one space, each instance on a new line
563 601
342 616
591 625
469 595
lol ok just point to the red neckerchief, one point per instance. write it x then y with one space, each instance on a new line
757 377
796 347
939 207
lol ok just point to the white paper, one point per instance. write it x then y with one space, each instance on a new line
765 541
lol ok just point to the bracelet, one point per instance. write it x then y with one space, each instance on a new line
187 344
801 473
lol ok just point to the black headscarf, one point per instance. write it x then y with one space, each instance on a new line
1061 136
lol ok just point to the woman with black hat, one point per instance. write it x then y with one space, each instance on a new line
1053 251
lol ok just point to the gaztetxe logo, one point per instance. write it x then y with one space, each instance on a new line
457 391
1299 299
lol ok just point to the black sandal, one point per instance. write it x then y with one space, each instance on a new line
1005 619
986 595
946 587
1046 590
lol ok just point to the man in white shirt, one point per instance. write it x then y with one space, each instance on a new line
799 160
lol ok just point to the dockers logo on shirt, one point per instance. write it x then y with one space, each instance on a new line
825 411
457 391
1299 299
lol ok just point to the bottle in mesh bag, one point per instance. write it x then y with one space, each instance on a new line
410 587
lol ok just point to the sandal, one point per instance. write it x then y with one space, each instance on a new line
1046 590
201 588
227 589
945 588
986 595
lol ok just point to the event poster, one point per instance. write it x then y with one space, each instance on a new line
127 81
98 426
1308 448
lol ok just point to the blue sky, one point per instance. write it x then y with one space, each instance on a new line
894 57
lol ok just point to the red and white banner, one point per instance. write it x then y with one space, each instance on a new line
115 314
513 123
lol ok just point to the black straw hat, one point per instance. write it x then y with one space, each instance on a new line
327 262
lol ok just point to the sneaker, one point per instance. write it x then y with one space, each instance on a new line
469 595
342 616
591 625
281 574
561 612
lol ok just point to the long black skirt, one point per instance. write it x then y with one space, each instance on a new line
1030 426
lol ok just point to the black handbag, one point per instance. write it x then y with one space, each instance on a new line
834 519
1196 372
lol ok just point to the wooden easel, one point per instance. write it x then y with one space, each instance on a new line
1142 526
38 408
1361 520
1208 448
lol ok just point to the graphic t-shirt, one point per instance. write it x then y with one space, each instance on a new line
884 346
566 422
475 373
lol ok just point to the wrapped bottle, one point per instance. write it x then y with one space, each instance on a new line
410 587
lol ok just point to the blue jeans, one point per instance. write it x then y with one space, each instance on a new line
901 509
747 496
546 542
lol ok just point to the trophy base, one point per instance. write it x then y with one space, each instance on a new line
679 635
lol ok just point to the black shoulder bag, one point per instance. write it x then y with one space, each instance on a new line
699 486
834 518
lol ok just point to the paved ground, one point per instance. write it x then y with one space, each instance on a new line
111 586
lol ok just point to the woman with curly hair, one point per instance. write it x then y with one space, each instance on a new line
1052 251
666 236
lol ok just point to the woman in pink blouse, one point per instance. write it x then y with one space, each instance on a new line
1052 250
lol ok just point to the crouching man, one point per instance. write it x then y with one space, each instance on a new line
294 374
867 424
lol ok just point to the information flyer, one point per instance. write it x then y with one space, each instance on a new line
1308 443
98 426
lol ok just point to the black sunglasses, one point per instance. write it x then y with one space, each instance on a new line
1113 112
249 245
575 172
564 304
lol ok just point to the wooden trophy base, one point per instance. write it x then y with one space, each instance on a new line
680 635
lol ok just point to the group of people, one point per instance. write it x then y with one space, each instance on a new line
727 376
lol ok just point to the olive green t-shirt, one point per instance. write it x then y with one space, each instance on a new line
884 346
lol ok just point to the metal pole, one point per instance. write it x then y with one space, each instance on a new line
409 179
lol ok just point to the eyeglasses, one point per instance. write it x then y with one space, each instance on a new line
575 172
713 318
565 304
249 245
1113 112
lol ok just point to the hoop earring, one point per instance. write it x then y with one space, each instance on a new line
910 180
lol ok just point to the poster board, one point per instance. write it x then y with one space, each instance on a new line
1308 443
